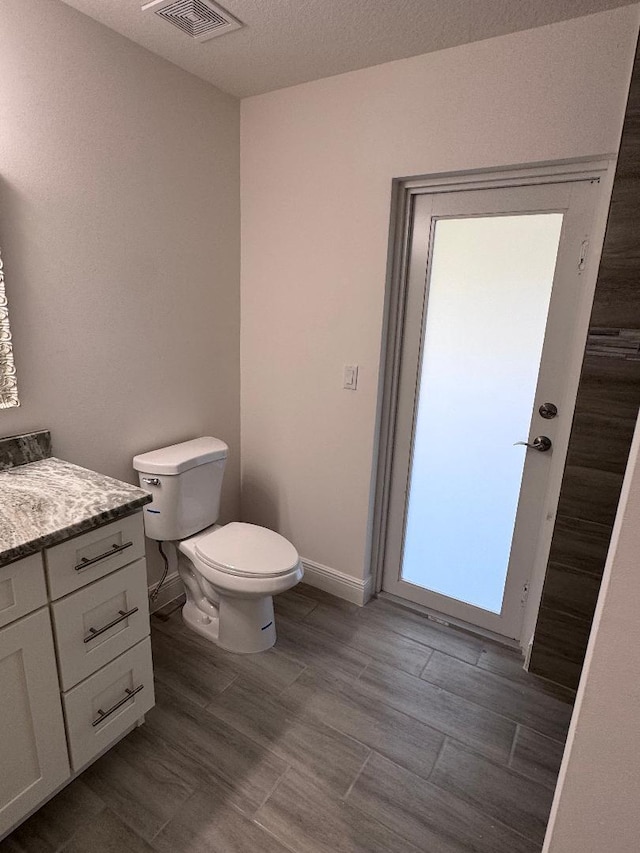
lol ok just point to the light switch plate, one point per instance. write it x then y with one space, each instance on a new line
350 382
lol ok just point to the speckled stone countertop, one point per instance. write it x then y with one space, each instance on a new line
28 447
47 501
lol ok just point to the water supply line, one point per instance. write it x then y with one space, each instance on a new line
153 595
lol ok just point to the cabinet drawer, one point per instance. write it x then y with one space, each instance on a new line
22 588
92 555
100 621
104 706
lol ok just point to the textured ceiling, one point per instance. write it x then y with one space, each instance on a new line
285 42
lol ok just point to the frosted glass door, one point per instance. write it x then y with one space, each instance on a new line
488 300
491 326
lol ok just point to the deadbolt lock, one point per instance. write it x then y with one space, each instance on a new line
548 411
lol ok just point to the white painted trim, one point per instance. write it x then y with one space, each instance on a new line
337 583
315 574
172 588
550 171
527 655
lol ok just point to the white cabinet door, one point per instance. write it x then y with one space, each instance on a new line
33 749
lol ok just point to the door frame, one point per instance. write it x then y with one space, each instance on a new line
600 169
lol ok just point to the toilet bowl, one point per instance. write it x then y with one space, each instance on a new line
230 572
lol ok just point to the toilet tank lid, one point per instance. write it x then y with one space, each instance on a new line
180 457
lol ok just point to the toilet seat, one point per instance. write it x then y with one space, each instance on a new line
247 550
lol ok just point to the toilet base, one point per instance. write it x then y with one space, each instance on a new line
242 625
239 619
204 624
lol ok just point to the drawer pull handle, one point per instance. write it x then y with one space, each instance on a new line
115 549
122 615
102 715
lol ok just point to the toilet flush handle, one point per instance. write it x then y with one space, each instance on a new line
152 481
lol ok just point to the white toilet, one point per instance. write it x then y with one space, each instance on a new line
231 572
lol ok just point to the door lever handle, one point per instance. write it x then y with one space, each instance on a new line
542 443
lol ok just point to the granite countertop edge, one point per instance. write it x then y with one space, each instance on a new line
123 505
34 546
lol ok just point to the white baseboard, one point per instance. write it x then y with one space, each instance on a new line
337 583
527 653
315 574
172 588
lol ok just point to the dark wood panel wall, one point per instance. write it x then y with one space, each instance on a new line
606 412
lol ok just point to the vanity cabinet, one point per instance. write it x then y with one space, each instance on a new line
75 660
32 737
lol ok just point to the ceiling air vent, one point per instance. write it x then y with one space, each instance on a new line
201 20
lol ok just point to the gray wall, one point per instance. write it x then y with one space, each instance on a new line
317 167
120 230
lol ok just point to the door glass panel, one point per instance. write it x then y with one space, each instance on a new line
488 300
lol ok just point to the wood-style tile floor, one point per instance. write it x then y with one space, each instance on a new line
364 729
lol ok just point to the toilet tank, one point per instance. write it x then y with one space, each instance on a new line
186 481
